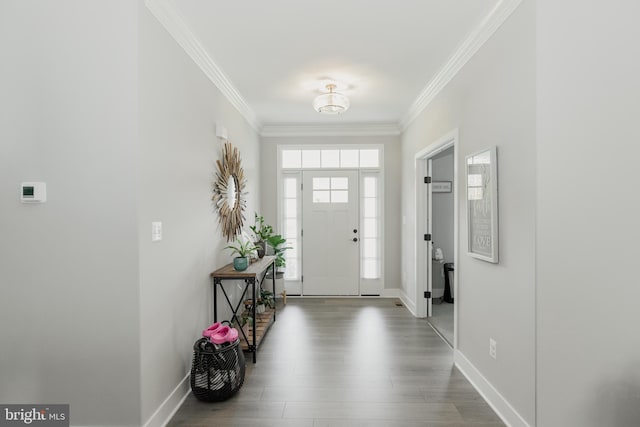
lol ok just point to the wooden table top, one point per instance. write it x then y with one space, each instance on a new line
255 268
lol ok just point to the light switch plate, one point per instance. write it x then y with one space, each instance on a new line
156 231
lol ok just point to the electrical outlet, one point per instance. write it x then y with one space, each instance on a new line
493 348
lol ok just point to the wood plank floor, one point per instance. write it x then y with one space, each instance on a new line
347 362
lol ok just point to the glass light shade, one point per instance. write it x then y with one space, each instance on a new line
331 103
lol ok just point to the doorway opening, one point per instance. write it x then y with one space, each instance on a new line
436 237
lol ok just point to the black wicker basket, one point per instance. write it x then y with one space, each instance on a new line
216 374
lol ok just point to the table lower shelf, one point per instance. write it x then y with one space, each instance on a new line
263 323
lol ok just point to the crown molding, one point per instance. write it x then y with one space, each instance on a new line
310 129
174 23
465 51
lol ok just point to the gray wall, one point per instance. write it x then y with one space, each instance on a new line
442 209
99 102
587 214
491 102
69 267
179 109
268 179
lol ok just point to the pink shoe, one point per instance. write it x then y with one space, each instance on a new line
211 330
224 335
233 335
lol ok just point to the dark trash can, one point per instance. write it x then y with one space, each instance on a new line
448 282
216 374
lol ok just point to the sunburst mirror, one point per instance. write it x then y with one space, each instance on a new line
228 192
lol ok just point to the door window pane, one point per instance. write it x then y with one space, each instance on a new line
339 183
291 159
330 158
321 183
321 196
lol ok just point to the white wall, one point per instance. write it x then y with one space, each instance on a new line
179 109
268 179
442 209
587 228
491 102
69 267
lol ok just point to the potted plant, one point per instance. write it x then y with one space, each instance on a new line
243 249
246 322
262 232
267 298
277 242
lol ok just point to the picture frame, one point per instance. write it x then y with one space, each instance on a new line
482 204
441 186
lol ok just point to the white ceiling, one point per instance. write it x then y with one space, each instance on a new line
274 55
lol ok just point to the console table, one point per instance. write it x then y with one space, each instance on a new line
253 275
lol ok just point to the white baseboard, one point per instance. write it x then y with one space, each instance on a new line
386 293
411 306
499 404
390 293
171 404
331 296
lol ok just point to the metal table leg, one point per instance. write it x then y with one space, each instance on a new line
253 315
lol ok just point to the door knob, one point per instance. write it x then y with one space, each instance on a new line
355 239
355 231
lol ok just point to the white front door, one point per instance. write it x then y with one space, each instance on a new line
330 233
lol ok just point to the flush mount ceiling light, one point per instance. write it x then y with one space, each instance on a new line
332 102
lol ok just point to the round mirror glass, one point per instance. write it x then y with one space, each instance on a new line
232 192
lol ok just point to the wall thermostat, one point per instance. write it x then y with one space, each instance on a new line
33 192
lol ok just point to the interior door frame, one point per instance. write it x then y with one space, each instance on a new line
423 220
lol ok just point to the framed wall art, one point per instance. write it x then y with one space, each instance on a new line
441 186
482 204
